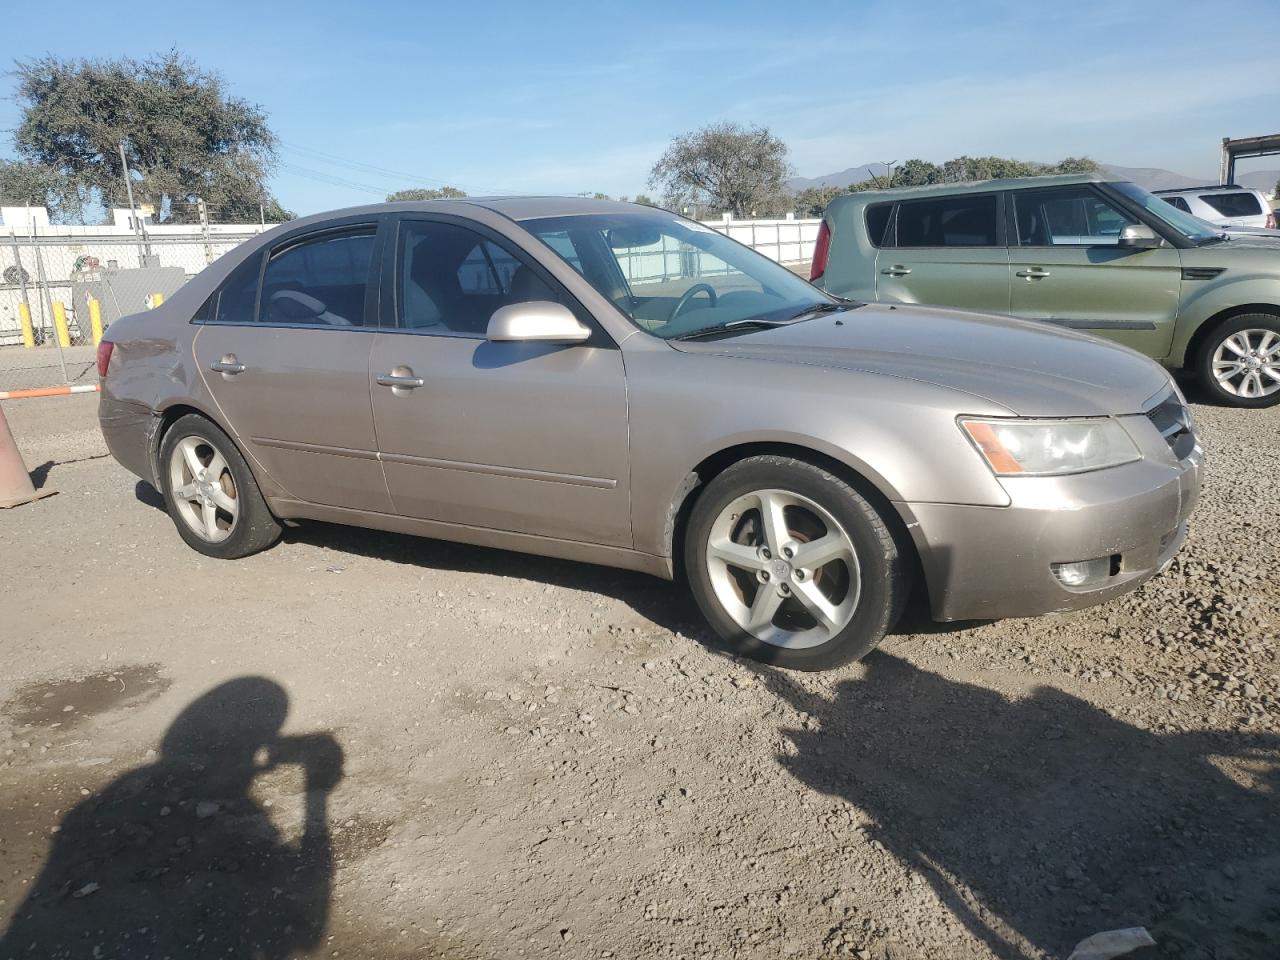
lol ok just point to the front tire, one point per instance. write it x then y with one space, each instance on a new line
793 566
1239 362
210 492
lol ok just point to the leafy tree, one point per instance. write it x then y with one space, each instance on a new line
273 212
725 166
812 201
427 193
644 199
1077 165
185 137
26 184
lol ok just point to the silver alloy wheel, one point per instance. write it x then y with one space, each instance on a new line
1247 363
204 492
783 568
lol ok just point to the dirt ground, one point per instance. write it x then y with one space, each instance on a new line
369 746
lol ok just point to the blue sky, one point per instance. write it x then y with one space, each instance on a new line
566 97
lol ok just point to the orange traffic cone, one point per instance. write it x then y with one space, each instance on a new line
15 483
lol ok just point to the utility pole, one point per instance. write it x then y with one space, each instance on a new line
133 210
262 215
204 228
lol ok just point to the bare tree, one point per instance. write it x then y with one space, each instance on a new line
725 166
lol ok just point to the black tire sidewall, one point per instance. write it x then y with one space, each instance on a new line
1204 361
883 580
256 528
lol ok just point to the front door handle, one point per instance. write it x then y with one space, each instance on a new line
400 378
897 270
1034 273
228 365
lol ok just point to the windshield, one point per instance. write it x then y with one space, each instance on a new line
673 277
1191 227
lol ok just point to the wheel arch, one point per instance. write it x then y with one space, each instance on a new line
168 415
1202 332
857 475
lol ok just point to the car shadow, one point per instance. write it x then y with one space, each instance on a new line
669 605
178 859
1042 820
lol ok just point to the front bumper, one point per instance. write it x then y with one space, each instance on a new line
993 562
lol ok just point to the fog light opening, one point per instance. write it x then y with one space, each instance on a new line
1085 573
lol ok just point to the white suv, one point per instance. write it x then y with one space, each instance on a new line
1223 206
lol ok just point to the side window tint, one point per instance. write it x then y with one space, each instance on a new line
1067 216
1178 202
878 222
239 293
1233 204
319 280
451 279
959 221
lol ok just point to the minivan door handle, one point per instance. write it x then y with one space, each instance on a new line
228 365
1034 273
897 270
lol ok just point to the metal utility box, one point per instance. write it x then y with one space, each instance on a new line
120 292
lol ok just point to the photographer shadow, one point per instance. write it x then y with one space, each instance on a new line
177 859
1041 820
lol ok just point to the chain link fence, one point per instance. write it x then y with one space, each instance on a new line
60 292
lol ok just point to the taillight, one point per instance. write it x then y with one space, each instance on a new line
1271 220
821 250
104 357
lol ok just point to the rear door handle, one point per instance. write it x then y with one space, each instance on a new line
897 270
228 365
1034 273
400 378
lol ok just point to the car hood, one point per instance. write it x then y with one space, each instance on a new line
1032 369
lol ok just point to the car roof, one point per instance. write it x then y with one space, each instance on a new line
974 186
1233 187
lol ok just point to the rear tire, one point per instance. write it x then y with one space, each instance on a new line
1239 362
210 492
793 566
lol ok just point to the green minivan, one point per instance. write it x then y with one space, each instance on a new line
1081 251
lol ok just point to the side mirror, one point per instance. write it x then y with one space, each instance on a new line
1138 236
539 321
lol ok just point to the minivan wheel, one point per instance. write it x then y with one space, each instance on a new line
791 565
211 494
1239 362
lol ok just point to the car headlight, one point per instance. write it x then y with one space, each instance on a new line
1047 448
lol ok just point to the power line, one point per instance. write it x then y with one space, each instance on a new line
384 172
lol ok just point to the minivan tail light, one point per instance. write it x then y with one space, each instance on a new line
1271 220
821 250
104 358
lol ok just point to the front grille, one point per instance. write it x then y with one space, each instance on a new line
1172 418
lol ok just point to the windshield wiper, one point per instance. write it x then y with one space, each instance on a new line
733 327
816 308
1220 238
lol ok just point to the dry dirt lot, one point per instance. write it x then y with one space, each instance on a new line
369 746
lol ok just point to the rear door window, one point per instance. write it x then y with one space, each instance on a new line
1233 204
967 220
1067 216
319 280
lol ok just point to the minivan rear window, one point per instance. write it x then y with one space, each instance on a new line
878 222
1233 204
961 221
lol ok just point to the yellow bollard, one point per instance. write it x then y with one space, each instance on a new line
156 300
95 320
28 331
60 323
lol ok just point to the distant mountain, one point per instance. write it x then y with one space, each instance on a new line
1152 178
